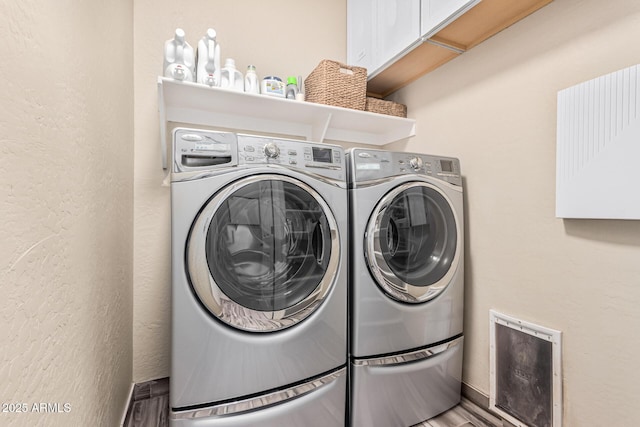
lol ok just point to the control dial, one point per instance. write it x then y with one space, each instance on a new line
271 150
415 163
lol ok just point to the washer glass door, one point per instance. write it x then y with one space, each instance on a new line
412 243
263 253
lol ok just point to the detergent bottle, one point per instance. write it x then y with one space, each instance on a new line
251 84
292 88
179 58
230 77
208 68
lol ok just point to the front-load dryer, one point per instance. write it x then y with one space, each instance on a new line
407 285
259 281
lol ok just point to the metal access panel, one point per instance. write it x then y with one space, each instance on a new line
526 381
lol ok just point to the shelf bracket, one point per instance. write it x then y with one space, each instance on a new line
319 128
163 124
447 45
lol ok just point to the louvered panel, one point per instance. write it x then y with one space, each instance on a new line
598 148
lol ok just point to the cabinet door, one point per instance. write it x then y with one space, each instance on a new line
361 29
398 23
437 14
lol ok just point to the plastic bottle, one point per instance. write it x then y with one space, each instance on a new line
292 88
208 68
230 78
273 86
300 94
251 80
179 58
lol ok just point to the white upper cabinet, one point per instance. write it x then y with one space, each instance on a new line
382 34
360 33
398 28
382 31
379 30
437 14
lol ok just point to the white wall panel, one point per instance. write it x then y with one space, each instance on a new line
598 147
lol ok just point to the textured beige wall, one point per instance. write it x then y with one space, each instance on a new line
66 161
494 107
279 37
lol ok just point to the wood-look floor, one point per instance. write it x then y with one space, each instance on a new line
151 412
151 409
466 414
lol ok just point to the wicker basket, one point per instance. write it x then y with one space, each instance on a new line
382 106
333 83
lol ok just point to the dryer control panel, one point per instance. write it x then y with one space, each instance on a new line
367 165
321 159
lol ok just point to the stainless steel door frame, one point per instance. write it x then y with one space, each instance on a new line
383 273
225 308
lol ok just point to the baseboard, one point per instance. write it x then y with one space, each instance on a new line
481 400
127 409
475 396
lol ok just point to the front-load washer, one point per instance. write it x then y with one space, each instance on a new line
407 286
259 281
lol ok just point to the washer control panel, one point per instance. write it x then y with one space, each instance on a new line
369 165
196 150
322 159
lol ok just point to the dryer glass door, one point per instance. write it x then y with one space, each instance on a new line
270 247
412 242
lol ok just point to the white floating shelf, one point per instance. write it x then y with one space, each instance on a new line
192 103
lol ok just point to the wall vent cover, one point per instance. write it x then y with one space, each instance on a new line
598 147
526 377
